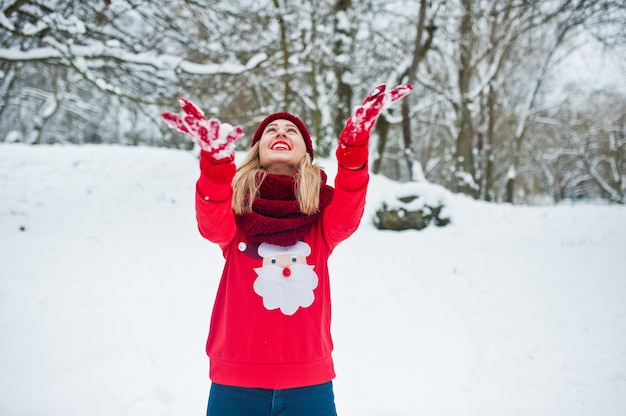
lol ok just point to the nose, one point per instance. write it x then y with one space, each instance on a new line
286 271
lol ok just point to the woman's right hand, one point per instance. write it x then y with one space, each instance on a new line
216 138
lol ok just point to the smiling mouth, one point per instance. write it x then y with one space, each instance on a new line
280 145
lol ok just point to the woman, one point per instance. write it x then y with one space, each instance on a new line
277 222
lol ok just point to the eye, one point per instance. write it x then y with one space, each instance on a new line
294 259
273 260
291 131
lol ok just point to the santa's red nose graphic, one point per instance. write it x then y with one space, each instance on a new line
285 281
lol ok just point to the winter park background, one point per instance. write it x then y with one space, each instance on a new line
107 287
515 308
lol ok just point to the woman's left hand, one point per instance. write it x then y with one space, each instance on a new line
352 152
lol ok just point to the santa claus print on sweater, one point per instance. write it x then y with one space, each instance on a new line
285 280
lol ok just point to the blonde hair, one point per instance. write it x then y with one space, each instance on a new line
251 174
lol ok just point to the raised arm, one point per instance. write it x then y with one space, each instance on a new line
344 214
352 152
216 220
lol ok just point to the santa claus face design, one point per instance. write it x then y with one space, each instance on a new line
285 280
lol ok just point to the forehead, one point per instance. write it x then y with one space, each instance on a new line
281 122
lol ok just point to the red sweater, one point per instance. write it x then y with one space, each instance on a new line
265 334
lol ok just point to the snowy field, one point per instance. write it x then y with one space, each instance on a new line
106 289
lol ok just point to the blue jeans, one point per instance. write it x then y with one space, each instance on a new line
316 400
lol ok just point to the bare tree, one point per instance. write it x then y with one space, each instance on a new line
419 52
593 141
342 47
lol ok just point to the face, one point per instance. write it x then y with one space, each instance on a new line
281 146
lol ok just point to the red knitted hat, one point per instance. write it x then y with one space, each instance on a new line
285 116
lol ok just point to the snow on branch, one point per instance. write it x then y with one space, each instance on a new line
159 62
223 69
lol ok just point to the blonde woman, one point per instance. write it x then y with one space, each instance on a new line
277 221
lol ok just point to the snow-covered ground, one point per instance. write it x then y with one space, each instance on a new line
106 290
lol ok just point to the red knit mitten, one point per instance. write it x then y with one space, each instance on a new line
215 138
352 152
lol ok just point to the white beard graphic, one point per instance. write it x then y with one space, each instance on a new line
286 293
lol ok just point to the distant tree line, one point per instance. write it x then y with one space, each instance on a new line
484 118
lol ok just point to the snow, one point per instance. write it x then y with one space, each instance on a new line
106 290
108 50
4 20
224 68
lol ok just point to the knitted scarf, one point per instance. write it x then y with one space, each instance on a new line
276 217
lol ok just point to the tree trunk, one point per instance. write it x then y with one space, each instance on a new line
342 48
418 53
284 47
464 158
488 185
382 130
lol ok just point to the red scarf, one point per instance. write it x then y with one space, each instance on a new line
276 217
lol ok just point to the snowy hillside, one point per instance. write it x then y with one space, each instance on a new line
106 289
